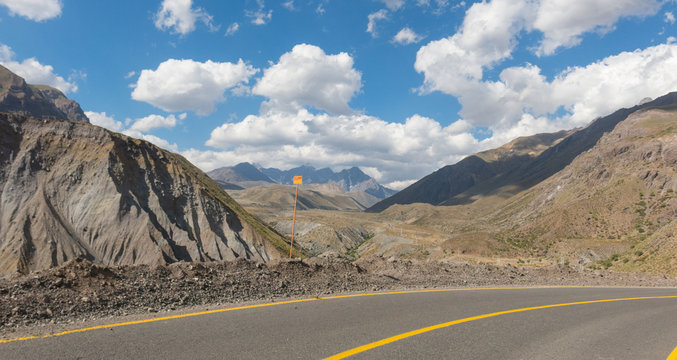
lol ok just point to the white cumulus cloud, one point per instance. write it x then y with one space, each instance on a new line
103 120
522 99
394 150
562 22
139 127
307 76
490 30
523 102
35 72
37 10
407 36
669 17
180 85
152 139
154 121
180 17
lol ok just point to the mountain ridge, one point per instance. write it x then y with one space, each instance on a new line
39 101
473 177
77 190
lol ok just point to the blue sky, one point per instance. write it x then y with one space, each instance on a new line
397 87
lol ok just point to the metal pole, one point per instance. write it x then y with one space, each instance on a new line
293 223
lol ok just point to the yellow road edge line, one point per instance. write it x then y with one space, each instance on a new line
673 355
107 326
405 335
157 319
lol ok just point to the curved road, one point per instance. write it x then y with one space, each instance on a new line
507 323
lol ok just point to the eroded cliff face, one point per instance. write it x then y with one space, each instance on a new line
72 190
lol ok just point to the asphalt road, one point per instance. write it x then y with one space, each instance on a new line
320 328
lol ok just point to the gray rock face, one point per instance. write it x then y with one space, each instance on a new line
71 190
40 101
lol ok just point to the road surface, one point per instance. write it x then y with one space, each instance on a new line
506 323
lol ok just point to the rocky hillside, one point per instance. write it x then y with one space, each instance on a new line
619 194
613 205
503 172
40 101
71 190
451 180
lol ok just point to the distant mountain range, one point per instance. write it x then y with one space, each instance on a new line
246 175
39 101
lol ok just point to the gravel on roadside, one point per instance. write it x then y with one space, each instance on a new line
80 290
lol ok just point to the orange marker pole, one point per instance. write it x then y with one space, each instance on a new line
297 180
293 223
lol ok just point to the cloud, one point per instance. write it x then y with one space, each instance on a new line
179 17
523 102
180 85
486 37
669 17
490 30
153 139
489 33
289 5
562 22
130 74
232 29
34 72
407 36
153 121
37 10
138 128
103 120
307 76
439 6
373 18
284 139
260 16
393 5
399 185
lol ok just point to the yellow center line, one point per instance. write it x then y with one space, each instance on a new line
673 355
171 317
392 339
